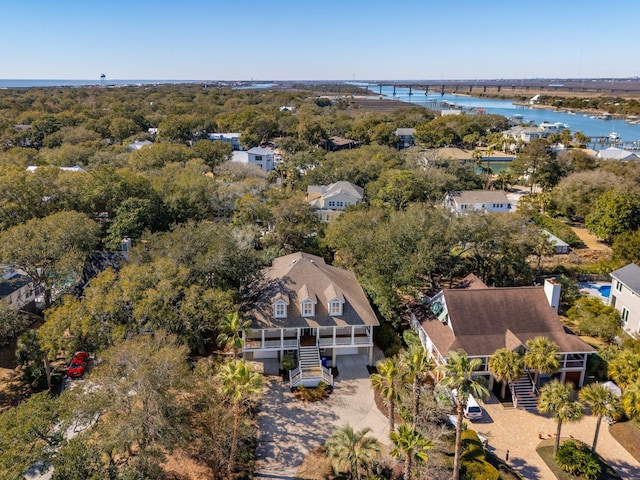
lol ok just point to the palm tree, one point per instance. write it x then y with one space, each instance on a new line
385 382
542 356
631 399
410 444
603 402
240 383
624 368
352 451
417 365
556 400
458 375
231 332
506 366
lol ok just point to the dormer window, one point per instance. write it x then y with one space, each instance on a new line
308 309
335 307
279 305
280 310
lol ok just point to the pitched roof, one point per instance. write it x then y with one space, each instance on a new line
482 321
12 281
296 276
478 196
405 132
630 276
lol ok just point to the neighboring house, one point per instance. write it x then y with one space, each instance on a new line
330 201
559 246
335 144
75 169
481 320
466 201
527 134
17 291
232 138
625 296
97 262
303 306
258 156
614 153
138 144
406 137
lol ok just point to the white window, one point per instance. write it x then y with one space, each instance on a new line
307 309
280 310
335 307
618 286
624 315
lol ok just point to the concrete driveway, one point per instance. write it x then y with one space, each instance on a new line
289 429
519 431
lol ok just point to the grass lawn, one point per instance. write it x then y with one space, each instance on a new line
545 450
628 435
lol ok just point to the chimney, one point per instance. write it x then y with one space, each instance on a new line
552 291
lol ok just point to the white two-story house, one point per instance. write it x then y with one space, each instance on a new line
625 296
303 306
17 291
466 201
329 201
258 156
231 138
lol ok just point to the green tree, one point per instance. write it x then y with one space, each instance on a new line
416 366
533 157
603 403
232 328
12 323
542 356
506 366
240 383
411 445
459 375
556 399
615 212
385 381
213 152
29 433
136 400
596 319
353 452
49 250
626 247
624 367
631 399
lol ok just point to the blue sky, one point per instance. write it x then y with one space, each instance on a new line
328 39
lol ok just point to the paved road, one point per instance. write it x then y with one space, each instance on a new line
289 429
518 431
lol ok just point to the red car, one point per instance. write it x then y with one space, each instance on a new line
78 365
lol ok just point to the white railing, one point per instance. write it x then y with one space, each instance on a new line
295 376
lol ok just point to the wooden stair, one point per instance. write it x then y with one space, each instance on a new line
523 394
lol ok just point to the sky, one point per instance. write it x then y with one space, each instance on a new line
319 40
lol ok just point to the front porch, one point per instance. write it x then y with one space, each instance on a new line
332 340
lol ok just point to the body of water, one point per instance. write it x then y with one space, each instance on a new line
576 122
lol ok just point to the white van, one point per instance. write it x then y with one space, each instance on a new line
472 411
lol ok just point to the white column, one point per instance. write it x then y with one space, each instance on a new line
262 339
334 337
353 335
282 338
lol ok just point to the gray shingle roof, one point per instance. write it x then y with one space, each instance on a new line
629 276
302 274
485 320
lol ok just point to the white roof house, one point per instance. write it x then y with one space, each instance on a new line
614 153
261 157
232 138
138 144
625 296
75 169
330 201
482 200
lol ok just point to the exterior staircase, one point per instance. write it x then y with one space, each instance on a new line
310 371
523 393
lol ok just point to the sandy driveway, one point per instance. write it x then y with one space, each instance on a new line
517 431
289 429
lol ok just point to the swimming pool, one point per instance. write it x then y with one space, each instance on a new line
605 290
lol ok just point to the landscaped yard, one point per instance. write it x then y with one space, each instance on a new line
545 450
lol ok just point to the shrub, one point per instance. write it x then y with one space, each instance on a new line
311 394
558 228
576 459
473 464
594 318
